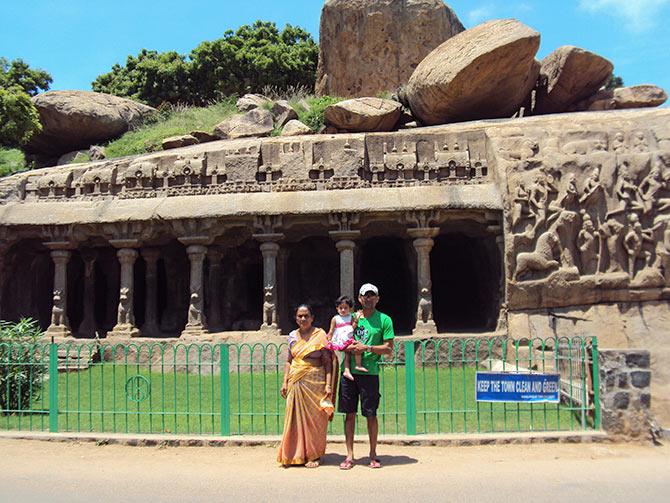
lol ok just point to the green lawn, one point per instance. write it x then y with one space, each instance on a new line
96 400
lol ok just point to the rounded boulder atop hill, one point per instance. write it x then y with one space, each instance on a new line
73 120
482 73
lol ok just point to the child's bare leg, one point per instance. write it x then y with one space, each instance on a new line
347 366
359 366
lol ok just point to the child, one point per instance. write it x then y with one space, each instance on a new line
341 334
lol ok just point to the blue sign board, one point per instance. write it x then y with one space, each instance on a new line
517 387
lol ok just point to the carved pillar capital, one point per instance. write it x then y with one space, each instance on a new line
150 255
268 224
127 256
344 220
421 219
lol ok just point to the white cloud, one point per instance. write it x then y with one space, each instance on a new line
637 15
480 14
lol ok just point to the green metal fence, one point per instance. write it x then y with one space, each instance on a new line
220 389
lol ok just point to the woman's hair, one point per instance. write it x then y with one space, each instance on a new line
306 306
344 299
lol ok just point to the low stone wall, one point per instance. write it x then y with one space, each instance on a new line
625 391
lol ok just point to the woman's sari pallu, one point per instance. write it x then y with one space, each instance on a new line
306 423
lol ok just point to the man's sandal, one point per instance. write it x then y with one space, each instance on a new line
347 464
374 463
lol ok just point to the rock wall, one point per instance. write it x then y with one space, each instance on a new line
624 392
370 46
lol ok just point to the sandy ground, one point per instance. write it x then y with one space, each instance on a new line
73 472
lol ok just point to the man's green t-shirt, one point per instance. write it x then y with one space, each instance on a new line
372 331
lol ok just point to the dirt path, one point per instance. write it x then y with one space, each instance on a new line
44 471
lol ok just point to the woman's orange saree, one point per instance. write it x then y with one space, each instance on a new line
306 423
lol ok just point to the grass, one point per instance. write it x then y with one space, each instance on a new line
171 121
12 161
95 400
180 120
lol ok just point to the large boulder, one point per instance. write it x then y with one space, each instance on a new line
569 75
641 96
644 95
73 120
363 114
370 46
256 122
485 72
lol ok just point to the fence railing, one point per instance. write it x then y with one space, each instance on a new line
427 387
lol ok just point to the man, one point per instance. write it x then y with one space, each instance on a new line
374 338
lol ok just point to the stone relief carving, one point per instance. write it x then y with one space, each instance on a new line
352 161
125 311
424 312
593 204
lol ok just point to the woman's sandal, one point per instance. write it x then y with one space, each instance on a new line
374 463
312 464
347 464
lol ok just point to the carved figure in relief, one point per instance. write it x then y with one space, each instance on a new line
125 307
625 189
542 258
587 242
593 187
634 240
520 207
619 143
424 311
650 187
568 200
610 233
58 309
640 142
269 308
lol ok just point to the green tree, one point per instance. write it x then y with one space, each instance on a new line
252 57
242 61
18 73
151 77
19 118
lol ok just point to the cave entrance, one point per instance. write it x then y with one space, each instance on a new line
466 273
388 263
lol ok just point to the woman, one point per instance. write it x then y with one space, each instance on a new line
308 389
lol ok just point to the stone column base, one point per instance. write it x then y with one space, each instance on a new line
270 329
125 330
58 331
425 328
193 331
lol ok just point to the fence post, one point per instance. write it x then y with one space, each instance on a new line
410 388
224 379
53 387
596 383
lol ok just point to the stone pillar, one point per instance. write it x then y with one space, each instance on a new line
60 325
423 243
269 250
87 327
125 321
150 327
197 322
344 242
214 289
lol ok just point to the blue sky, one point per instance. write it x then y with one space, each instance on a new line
76 40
